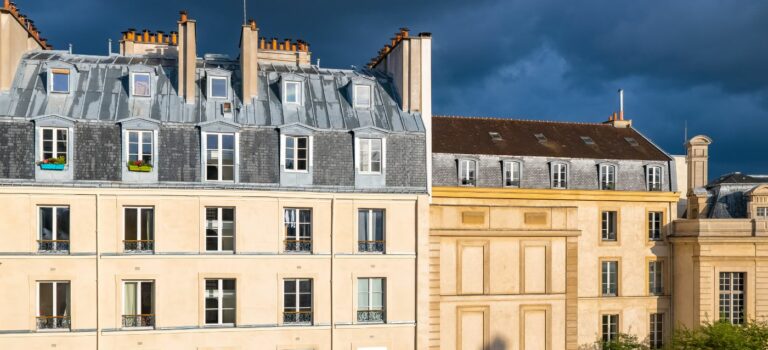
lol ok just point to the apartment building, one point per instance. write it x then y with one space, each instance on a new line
548 235
156 199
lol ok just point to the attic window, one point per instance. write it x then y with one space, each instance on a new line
362 96
292 92
541 138
217 87
632 141
141 85
495 136
226 108
60 81
587 140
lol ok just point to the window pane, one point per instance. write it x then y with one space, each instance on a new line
62 224
141 85
147 224
219 87
362 96
46 299
212 173
292 92
60 82
130 224
130 307
228 142
305 286
62 299
47 134
146 298
362 225
46 223
378 225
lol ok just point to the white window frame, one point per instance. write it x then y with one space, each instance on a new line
508 169
220 301
299 98
219 229
655 225
727 283
609 269
383 292
607 177
297 215
133 84
59 71
559 175
138 299
369 89
761 212
653 171
297 294
656 327
371 235
54 221
367 143
465 165
140 154
295 156
54 301
609 221
139 227
211 78
609 327
55 147
220 165
656 277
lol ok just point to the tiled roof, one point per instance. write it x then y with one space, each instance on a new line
739 178
472 135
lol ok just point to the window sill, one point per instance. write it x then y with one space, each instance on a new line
214 326
296 171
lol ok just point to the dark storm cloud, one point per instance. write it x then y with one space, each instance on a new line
700 61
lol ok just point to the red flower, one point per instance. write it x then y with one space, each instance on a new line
45 161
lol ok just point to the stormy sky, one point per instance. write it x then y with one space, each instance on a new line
700 61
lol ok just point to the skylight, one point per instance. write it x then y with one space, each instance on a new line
588 140
632 141
541 138
495 136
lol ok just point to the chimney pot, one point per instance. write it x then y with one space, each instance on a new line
7 4
252 23
263 44
274 43
184 16
404 31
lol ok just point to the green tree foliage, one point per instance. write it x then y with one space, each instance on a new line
622 342
722 335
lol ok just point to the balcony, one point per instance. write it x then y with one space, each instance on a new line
139 246
298 245
297 317
370 316
53 323
53 246
370 246
138 321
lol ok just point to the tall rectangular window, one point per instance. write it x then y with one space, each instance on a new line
370 300
511 174
467 172
220 302
559 176
732 296
607 177
220 229
54 230
370 230
140 145
610 278
656 326
139 230
298 230
656 277
608 226
610 327
54 144
655 219
370 156
220 157
138 304
297 301
362 96
60 81
141 85
219 87
53 305
292 92
654 178
296 153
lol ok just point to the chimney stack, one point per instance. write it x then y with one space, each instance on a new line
697 161
187 57
18 35
249 61
617 118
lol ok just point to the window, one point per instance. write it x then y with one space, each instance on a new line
54 144
54 230
370 230
139 230
610 326
732 297
218 87
296 152
362 96
559 176
220 157
610 278
138 304
762 212
297 301
370 156
53 305
656 336
140 146
220 229
655 218
370 300
654 178
220 302
512 174
292 92
60 81
467 172
608 223
298 230
141 85
607 177
656 277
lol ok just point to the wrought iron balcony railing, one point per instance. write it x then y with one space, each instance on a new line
371 316
370 246
53 246
297 317
53 322
136 321
139 246
298 245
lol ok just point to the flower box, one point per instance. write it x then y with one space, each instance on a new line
140 168
51 166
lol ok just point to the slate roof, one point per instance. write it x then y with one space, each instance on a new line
100 92
471 135
728 197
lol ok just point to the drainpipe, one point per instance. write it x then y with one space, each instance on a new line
98 263
333 253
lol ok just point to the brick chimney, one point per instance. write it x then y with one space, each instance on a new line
249 57
617 118
187 57
18 35
697 160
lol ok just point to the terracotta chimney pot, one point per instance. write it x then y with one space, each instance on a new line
252 23
6 4
184 16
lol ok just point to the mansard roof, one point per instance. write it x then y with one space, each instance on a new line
100 91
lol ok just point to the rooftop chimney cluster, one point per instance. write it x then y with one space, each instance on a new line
27 23
284 45
399 36
147 37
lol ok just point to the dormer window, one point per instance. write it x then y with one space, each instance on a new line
296 153
59 81
607 177
511 174
559 176
370 156
292 92
653 177
467 172
218 87
141 85
54 144
362 96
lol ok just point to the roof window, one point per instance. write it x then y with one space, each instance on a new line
587 140
632 141
362 96
541 138
141 85
495 136
60 81
218 87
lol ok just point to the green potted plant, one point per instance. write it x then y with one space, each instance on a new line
139 166
57 163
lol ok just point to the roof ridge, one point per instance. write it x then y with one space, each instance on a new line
520 119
